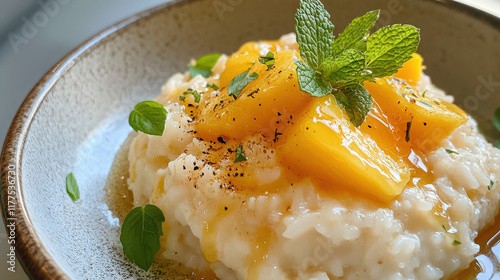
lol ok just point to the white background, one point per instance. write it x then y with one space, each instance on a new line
23 64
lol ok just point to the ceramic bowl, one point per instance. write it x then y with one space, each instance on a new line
75 119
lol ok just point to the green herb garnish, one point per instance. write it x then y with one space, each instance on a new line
423 94
456 242
204 65
451 152
240 155
239 82
490 186
195 93
148 117
140 235
212 86
340 66
445 230
72 187
267 60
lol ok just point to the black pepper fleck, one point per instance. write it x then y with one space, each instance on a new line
408 126
221 140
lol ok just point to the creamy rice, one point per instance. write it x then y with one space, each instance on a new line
299 234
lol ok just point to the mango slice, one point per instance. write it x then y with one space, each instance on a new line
411 71
326 146
421 121
245 57
264 104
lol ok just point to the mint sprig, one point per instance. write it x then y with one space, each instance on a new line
341 66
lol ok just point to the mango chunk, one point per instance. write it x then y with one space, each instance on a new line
244 58
411 70
325 145
421 121
263 105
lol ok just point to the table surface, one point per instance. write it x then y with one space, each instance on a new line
24 61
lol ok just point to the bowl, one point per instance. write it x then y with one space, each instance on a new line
76 117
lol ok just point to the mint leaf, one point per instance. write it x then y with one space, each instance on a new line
314 32
356 101
239 82
311 81
496 119
240 155
204 65
195 93
72 187
345 68
140 235
212 86
148 117
267 60
388 48
355 34
341 66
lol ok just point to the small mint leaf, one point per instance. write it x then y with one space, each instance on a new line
345 68
311 81
388 48
314 32
239 82
240 155
148 117
72 187
140 235
204 65
212 86
195 93
355 34
356 101
267 60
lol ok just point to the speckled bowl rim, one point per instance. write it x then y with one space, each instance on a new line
31 253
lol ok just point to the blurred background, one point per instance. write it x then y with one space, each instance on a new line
34 35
